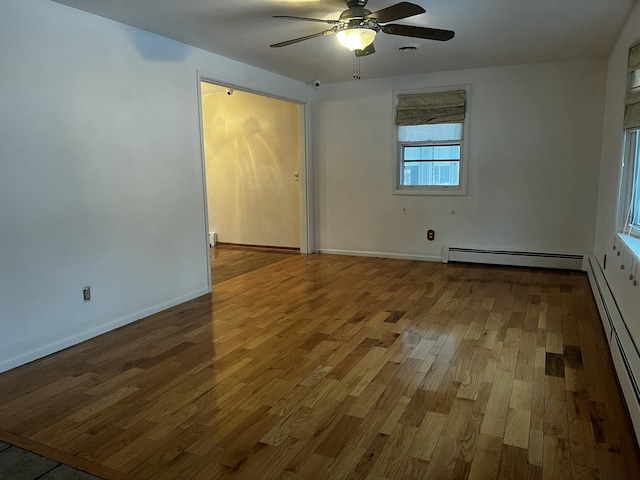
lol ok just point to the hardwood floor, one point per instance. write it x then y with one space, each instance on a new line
229 261
334 367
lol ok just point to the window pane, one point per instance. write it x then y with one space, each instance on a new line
634 79
426 133
431 173
634 214
410 174
431 152
413 153
442 152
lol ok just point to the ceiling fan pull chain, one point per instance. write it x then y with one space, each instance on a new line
356 68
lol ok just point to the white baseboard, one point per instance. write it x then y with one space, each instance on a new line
624 351
566 261
72 340
401 256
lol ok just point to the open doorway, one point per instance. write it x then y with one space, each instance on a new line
253 153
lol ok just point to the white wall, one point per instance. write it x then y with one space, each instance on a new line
534 143
627 297
101 178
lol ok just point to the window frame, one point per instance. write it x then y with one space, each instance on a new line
402 161
629 177
460 189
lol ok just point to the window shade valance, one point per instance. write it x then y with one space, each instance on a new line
632 99
430 108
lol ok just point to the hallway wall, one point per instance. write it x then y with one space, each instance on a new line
251 153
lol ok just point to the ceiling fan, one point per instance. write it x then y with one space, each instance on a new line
357 27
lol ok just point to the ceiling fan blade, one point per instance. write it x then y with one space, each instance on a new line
419 32
396 12
368 50
308 37
306 19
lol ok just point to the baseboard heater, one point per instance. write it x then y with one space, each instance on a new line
624 351
567 261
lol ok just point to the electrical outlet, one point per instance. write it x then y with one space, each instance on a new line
431 235
86 293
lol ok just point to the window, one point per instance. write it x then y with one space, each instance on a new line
430 134
630 193
430 154
629 201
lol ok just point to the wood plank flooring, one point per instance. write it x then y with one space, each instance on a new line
229 261
335 367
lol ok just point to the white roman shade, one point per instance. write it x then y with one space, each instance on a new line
632 99
430 108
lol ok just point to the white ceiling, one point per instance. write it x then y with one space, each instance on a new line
488 32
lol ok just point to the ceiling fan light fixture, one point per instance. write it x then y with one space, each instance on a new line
356 38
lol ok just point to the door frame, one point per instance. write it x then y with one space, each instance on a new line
304 160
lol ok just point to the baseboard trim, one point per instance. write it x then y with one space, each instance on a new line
257 248
77 338
624 351
400 256
519 258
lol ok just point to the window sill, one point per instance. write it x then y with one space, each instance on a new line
632 243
